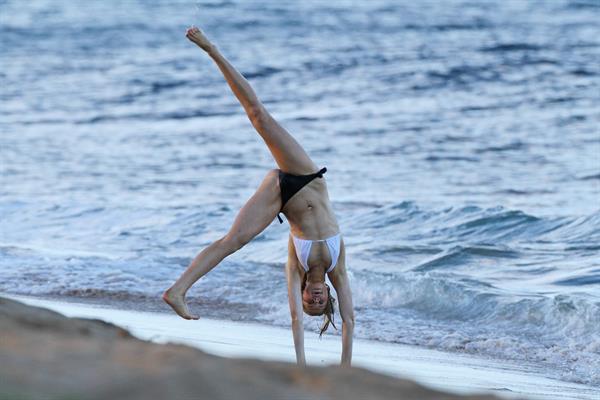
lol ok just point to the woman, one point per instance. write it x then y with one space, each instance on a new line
315 246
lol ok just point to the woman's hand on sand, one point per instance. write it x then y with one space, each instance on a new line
195 35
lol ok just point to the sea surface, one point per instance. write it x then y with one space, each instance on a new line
461 138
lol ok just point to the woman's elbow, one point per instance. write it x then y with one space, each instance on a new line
349 321
296 318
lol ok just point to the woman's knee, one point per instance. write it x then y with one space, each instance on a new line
273 175
240 233
272 179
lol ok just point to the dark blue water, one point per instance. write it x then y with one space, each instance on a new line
461 140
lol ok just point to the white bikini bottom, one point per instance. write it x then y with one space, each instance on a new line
303 247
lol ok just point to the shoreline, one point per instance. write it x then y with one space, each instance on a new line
455 373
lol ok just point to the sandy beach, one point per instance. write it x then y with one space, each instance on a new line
453 373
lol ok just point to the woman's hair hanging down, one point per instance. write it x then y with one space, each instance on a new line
328 312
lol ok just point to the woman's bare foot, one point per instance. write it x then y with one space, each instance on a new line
195 35
177 302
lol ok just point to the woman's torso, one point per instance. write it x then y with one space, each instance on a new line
309 212
311 217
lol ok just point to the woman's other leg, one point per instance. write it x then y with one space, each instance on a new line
258 212
289 155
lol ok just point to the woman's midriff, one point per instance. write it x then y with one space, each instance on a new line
310 214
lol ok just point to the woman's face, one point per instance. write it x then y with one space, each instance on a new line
314 298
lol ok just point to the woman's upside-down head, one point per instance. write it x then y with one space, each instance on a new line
317 300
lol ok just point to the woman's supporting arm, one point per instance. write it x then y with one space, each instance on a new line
339 279
298 333
294 283
347 313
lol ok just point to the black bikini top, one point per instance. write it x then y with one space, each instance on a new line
291 184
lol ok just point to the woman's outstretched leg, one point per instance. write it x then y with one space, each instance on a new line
258 212
289 155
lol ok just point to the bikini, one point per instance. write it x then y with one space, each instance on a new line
303 247
290 185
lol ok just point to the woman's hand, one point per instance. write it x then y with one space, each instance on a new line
197 36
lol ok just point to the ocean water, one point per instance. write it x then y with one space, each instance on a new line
461 140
